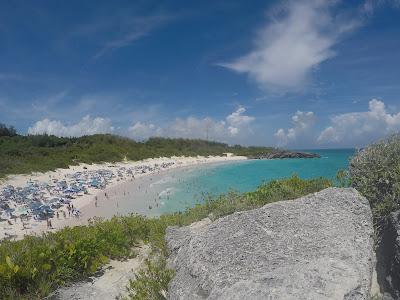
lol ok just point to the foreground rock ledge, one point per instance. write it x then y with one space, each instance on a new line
315 247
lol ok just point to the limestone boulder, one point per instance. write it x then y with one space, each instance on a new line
315 247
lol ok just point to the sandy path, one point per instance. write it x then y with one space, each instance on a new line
109 284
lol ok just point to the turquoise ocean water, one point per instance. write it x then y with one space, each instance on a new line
186 188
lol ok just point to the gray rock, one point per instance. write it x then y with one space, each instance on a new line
388 254
316 247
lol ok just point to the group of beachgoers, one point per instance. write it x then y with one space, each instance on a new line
42 201
52 200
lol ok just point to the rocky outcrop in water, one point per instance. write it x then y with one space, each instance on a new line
283 154
316 247
388 255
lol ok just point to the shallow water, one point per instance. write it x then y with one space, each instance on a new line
177 189
192 187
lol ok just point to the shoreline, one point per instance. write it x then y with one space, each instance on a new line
87 204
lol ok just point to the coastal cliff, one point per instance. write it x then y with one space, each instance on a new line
316 247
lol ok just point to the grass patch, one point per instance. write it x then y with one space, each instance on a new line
33 267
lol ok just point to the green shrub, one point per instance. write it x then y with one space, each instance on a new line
375 173
343 178
37 265
151 283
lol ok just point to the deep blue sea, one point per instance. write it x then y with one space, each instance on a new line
186 188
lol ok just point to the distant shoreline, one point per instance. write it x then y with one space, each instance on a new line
116 189
86 203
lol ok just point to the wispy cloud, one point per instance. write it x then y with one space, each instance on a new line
299 36
10 76
131 30
370 6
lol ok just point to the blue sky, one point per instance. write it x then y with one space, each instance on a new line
298 74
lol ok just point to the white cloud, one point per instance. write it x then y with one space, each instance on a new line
360 128
233 126
237 119
86 126
302 122
296 40
193 127
142 131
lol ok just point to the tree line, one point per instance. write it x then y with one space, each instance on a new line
7 130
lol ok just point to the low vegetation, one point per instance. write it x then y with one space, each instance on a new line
7 130
40 153
375 173
31 268
151 282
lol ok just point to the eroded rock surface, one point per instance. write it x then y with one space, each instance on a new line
316 247
389 257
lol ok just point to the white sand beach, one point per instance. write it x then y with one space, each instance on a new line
92 190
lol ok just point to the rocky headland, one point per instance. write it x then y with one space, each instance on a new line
316 247
279 154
